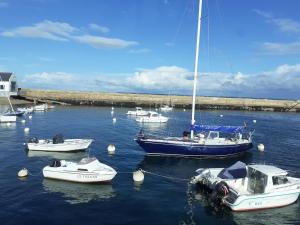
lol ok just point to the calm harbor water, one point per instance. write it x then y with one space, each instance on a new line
158 200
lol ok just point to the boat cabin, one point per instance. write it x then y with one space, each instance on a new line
264 178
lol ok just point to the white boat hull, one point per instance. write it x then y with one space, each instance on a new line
263 201
42 107
7 119
88 170
69 145
78 176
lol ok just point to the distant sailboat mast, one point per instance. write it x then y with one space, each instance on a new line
196 67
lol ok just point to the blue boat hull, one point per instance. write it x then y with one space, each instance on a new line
191 149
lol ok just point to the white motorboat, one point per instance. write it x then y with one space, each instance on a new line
264 186
152 117
138 112
87 170
166 108
58 144
8 118
42 107
26 110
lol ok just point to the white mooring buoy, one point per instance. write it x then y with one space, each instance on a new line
30 117
112 108
111 149
221 115
8 124
184 110
26 129
260 147
23 173
254 121
114 119
23 121
138 176
112 112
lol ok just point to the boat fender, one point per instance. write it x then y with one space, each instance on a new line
23 173
138 176
111 149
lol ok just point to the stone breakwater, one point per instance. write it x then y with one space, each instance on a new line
151 100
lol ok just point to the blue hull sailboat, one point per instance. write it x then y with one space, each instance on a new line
201 140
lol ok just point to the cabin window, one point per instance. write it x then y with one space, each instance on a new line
213 135
2 87
257 181
278 180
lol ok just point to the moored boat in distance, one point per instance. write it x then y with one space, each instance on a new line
8 118
166 108
87 170
152 117
58 144
42 107
138 112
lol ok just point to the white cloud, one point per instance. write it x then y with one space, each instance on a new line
58 31
285 25
102 42
46 29
280 48
99 28
282 82
46 78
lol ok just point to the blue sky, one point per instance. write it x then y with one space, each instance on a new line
248 48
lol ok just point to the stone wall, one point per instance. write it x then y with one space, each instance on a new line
146 100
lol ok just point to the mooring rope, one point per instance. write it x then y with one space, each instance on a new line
164 176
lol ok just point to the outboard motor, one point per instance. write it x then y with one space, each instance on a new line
33 140
58 139
220 191
55 163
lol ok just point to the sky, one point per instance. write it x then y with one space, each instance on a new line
247 48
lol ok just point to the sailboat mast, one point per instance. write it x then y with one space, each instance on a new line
196 67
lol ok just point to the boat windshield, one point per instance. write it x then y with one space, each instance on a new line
213 135
257 181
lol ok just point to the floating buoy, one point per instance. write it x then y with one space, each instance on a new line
111 149
114 119
23 121
183 110
254 121
30 117
8 124
260 147
23 173
112 108
138 176
221 115
26 129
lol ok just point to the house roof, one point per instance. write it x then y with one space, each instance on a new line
5 76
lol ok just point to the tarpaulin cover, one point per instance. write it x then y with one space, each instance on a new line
236 171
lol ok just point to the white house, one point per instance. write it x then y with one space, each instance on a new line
8 84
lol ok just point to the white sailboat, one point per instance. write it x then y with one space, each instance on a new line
152 117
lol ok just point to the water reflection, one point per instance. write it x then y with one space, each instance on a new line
76 193
58 155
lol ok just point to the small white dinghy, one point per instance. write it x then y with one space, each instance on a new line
152 117
58 144
87 170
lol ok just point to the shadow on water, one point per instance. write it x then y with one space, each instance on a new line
76 193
